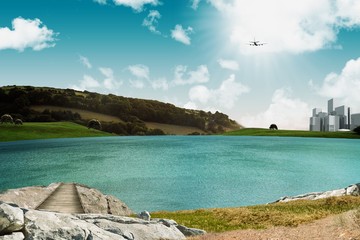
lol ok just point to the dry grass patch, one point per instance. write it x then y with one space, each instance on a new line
262 216
86 115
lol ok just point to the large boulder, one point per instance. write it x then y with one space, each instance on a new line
28 197
93 201
13 236
50 225
11 219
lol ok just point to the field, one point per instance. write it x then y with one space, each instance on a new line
290 133
87 115
262 216
28 131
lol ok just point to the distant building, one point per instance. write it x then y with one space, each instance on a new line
355 121
334 120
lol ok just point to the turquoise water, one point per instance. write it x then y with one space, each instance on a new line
185 172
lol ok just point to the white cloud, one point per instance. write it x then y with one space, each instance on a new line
183 77
228 64
87 83
102 2
223 97
109 81
284 111
26 33
85 61
137 84
195 4
151 21
182 35
160 83
139 71
137 5
287 26
344 86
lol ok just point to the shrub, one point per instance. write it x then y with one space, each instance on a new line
273 127
357 130
95 124
18 121
6 118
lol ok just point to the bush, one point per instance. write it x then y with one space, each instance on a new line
273 127
6 118
95 124
357 130
18 121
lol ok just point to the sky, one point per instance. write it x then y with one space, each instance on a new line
191 53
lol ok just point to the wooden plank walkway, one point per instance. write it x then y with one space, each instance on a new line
64 199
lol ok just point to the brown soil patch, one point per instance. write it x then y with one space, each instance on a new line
342 226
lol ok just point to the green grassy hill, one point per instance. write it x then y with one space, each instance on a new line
119 115
28 131
290 133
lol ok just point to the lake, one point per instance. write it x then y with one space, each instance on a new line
185 172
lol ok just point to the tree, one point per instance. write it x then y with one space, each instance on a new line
357 130
95 124
6 118
273 127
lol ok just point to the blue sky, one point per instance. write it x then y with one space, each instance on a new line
192 53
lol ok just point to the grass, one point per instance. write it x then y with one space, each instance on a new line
29 131
290 133
262 216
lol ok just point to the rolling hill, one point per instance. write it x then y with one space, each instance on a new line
119 115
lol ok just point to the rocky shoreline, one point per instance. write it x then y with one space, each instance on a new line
352 190
106 217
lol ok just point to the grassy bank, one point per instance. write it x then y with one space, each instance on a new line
28 131
290 133
262 216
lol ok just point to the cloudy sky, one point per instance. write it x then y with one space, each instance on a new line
192 53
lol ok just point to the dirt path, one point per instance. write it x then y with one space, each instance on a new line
342 226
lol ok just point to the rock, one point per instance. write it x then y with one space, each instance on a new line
93 201
11 219
117 207
13 236
188 232
144 215
134 228
50 225
28 197
352 190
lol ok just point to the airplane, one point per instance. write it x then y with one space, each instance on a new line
256 43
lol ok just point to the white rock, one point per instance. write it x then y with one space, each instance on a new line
13 236
11 218
144 215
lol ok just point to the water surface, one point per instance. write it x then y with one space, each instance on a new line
185 172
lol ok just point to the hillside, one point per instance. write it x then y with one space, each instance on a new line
119 115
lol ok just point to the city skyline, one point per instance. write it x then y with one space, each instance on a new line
194 54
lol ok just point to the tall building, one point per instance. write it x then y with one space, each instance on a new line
355 121
334 120
330 106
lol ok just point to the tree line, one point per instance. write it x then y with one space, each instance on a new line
17 100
